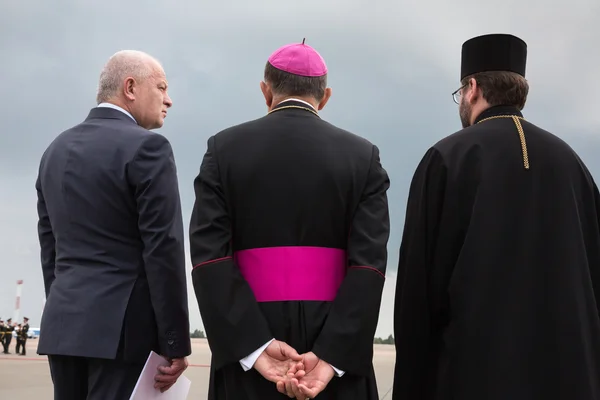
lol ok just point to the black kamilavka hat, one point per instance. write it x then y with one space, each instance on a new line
494 52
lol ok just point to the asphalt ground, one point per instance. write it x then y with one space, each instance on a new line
28 377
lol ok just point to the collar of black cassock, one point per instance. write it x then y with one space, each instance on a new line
499 110
294 105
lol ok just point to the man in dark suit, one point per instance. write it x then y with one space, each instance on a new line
111 236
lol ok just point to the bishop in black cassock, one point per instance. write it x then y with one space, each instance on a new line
499 271
288 240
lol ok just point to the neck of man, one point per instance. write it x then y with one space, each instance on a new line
313 103
478 108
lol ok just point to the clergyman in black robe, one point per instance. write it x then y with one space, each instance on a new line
288 240
499 272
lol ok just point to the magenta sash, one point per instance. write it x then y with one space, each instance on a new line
293 273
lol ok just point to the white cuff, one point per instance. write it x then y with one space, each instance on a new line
248 362
338 372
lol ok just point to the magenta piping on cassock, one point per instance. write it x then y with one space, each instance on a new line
293 273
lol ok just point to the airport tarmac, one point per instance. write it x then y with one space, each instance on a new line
28 377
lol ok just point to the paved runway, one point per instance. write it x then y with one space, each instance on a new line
28 377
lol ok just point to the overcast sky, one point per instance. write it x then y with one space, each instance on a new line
392 69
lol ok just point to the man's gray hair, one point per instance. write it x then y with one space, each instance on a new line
121 65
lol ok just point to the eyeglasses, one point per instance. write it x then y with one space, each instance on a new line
456 94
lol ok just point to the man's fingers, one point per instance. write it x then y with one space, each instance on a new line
160 385
292 389
171 370
288 390
162 380
313 392
281 387
297 391
289 351
300 374
164 389
165 378
167 370
168 375
284 387
176 368
295 368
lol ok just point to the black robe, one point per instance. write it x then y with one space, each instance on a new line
499 270
288 241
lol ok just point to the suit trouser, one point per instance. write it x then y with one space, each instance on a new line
79 378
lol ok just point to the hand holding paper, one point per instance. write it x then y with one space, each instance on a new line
162 379
168 375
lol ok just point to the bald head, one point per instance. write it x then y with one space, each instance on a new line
120 66
135 81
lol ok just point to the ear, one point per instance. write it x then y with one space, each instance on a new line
474 92
129 88
326 97
267 93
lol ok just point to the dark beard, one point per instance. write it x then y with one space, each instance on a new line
464 111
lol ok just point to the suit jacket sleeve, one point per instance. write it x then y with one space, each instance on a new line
46 239
420 289
346 340
153 176
235 326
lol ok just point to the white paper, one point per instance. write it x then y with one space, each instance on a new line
144 388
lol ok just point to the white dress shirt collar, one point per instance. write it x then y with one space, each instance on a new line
115 107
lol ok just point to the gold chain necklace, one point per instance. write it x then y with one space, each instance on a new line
299 107
517 120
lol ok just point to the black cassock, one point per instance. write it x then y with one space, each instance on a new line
288 241
499 271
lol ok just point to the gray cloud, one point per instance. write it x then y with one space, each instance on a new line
392 69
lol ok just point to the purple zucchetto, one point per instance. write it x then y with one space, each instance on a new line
298 59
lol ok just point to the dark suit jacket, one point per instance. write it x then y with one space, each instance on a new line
111 236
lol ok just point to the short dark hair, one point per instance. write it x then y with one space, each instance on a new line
286 84
501 88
